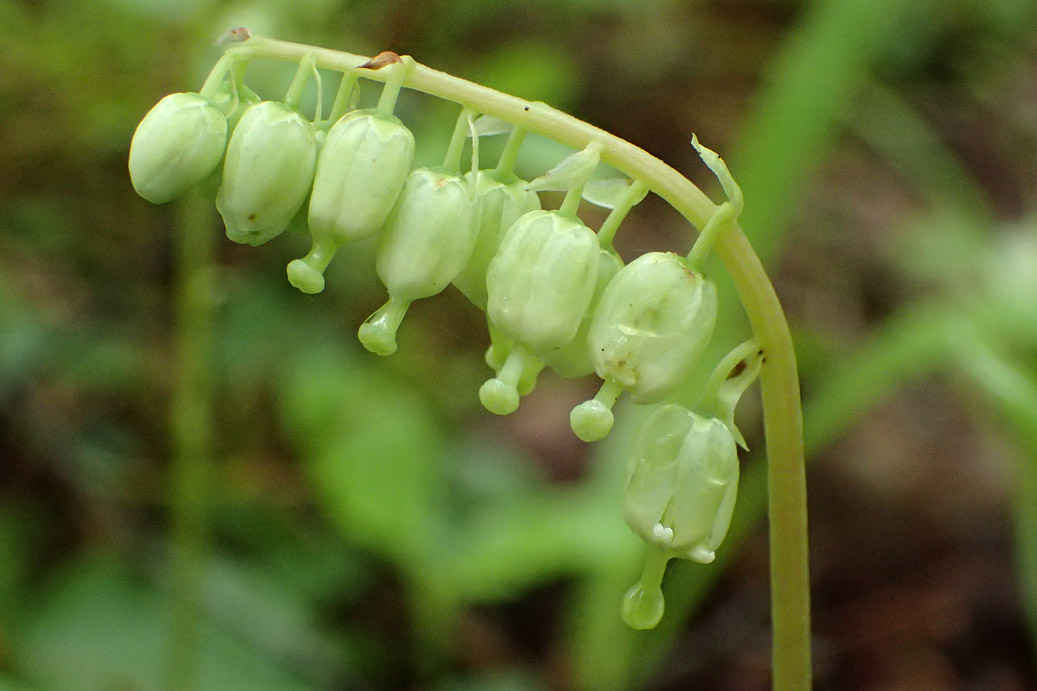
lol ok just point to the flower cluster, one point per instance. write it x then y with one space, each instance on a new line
555 292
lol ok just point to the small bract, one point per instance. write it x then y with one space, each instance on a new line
268 172
682 483
177 145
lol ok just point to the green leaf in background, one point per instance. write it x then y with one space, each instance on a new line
374 452
99 626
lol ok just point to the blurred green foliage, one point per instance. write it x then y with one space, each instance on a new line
371 527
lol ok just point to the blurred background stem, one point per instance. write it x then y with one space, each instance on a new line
191 423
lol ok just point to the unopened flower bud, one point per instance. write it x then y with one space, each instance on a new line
539 286
426 241
574 359
651 324
268 172
502 200
361 170
177 145
542 280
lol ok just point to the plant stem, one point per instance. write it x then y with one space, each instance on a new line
633 195
452 160
192 436
506 164
783 426
295 89
393 81
343 96
216 75
571 203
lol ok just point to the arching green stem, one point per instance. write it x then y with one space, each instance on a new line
779 384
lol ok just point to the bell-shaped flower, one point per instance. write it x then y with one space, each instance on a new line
539 286
268 172
649 328
177 145
682 483
362 167
502 200
682 480
426 241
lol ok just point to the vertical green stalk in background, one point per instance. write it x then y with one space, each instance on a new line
1012 391
191 429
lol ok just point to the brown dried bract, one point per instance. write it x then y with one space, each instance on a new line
386 57
236 35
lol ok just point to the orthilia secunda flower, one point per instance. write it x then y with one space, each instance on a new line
502 199
651 324
269 166
362 167
178 144
654 320
574 360
541 281
682 481
426 240
268 172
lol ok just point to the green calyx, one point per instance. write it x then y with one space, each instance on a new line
268 172
176 147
